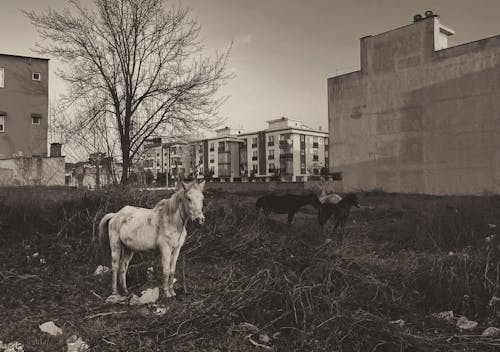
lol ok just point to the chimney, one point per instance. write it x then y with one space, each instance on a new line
55 150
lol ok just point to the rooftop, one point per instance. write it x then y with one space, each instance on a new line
25 57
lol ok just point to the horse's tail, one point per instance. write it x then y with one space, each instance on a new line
104 238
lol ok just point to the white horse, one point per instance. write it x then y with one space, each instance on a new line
139 229
332 198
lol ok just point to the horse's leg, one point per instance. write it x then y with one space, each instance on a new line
116 250
173 265
124 261
166 254
337 224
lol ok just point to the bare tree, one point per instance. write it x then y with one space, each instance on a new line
137 61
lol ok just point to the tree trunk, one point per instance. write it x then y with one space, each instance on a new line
125 146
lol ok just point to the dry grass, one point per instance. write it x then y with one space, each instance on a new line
304 293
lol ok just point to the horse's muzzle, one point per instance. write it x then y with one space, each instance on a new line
200 220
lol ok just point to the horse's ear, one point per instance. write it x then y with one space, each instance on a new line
201 185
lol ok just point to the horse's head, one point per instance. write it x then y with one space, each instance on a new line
193 200
352 200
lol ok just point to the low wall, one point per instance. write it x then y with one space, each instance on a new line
275 186
25 171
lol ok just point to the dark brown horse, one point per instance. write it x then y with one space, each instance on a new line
340 211
286 204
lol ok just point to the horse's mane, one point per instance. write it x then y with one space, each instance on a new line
170 205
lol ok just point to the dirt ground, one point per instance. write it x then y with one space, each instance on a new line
247 282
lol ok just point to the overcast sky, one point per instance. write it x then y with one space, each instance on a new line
284 50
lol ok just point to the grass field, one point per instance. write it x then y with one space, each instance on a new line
404 257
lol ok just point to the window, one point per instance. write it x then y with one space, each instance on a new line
2 123
1 77
271 154
315 142
254 142
35 119
254 155
255 167
36 76
270 141
326 141
302 138
211 147
326 153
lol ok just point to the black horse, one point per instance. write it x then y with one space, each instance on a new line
340 211
286 204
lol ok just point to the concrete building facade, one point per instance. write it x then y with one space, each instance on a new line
419 116
24 105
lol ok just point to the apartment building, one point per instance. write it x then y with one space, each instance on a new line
224 154
24 106
168 158
288 149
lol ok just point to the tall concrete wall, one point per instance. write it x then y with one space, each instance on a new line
32 171
418 120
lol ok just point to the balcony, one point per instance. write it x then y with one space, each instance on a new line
270 157
315 158
315 145
254 158
270 144
286 143
286 156
254 145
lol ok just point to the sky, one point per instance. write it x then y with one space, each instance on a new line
283 50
